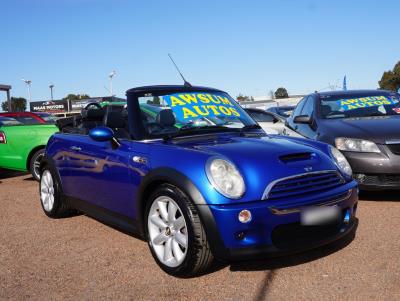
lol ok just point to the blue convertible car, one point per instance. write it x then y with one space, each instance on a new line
188 170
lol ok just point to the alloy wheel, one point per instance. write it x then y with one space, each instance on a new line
47 191
167 231
36 165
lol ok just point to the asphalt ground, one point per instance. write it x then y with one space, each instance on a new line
79 258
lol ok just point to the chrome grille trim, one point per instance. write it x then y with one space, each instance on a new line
271 185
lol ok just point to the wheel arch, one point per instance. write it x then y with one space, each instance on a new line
47 161
31 153
160 176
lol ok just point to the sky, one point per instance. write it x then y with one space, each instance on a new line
248 47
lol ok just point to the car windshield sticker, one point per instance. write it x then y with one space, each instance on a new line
197 105
365 102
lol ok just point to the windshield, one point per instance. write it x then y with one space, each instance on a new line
192 112
49 118
285 112
9 121
359 106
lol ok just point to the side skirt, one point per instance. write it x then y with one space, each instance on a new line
115 220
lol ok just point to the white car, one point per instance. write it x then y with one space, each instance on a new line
271 123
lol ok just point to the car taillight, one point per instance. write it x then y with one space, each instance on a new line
3 137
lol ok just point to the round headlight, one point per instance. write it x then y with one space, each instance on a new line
341 161
225 178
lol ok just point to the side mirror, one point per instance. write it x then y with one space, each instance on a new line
101 134
303 119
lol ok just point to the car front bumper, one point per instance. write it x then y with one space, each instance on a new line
275 229
375 171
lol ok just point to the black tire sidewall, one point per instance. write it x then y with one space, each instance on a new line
57 193
179 197
32 161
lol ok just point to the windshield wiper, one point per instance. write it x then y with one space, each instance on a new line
248 127
254 126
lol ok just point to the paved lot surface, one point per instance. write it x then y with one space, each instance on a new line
80 258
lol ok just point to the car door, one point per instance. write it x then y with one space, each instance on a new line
104 176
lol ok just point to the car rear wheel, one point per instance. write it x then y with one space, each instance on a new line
53 204
175 234
34 164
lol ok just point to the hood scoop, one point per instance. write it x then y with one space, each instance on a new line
296 157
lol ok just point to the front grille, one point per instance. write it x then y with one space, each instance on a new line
394 148
303 185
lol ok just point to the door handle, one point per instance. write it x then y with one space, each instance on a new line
75 148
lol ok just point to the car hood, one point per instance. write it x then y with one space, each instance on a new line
377 129
265 155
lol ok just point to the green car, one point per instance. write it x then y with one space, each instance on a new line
22 146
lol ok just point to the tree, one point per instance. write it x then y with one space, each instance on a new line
281 93
155 101
391 79
76 96
242 97
18 104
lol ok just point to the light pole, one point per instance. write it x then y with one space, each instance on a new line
51 91
112 74
28 84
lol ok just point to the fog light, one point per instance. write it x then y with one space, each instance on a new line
240 235
360 177
244 216
347 216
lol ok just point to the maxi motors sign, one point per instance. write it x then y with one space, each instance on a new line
49 106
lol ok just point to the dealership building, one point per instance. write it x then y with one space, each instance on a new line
264 102
67 107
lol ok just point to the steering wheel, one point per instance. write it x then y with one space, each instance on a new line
93 104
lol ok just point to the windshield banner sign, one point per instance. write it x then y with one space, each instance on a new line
364 102
197 105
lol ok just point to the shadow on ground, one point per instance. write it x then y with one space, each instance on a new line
295 259
7 173
386 196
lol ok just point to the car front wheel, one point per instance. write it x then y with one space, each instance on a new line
175 234
52 201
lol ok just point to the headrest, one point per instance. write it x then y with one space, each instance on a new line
166 118
96 114
114 120
325 110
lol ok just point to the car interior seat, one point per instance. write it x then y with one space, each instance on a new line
325 110
91 118
116 121
166 119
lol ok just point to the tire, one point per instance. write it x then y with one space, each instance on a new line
34 164
51 199
167 232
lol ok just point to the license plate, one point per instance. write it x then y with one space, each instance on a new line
316 216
